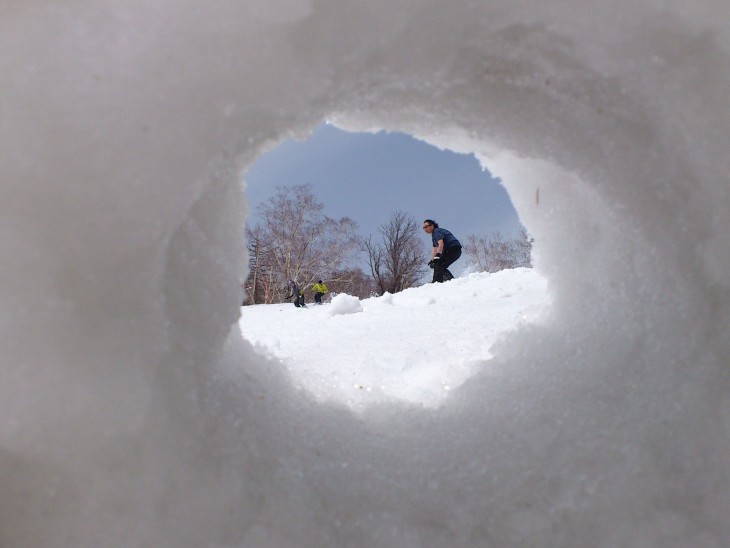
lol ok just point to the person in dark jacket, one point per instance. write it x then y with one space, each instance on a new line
295 292
446 250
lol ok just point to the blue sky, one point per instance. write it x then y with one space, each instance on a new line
368 176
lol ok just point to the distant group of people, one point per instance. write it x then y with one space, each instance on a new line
446 251
319 289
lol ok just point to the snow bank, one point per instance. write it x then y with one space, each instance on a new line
133 412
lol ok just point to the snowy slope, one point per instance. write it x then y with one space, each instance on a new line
413 346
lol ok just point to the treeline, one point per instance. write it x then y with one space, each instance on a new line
496 252
297 241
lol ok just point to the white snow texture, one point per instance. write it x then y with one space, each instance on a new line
133 412
344 304
415 346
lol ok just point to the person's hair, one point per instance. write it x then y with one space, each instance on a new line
432 222
319 281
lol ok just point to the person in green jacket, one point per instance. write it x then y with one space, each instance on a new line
319 289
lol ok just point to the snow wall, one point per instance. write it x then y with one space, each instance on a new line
134 415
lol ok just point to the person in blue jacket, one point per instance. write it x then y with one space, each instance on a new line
446 250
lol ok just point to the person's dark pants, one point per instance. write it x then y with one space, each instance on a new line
299 301
441 266
318 297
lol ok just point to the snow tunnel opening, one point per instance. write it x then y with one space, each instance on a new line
361 190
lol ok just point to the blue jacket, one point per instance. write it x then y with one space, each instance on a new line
448 238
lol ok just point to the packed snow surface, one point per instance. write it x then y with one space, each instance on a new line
414 346
135 414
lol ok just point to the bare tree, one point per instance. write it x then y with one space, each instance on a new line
494 253
300 243
352 281
397 262
260 285
523 249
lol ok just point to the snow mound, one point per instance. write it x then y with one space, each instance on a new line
342 304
